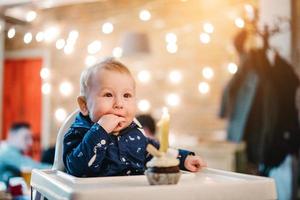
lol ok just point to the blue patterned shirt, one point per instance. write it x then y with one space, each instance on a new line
89 151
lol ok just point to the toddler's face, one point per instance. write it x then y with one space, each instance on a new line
112 93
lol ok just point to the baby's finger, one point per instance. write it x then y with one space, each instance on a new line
193 168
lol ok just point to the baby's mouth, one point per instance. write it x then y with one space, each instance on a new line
119 115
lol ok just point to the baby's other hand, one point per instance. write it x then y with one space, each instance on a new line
110 121
194 163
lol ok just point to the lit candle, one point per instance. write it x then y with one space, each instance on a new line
163 126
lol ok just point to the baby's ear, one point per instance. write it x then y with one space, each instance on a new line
82 105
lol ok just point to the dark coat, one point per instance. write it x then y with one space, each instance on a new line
260 104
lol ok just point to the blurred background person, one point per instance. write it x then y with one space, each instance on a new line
12 158
149 126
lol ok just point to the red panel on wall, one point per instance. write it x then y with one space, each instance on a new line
22 98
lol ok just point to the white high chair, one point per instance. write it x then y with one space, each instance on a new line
58 157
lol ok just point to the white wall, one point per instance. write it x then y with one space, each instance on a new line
270 10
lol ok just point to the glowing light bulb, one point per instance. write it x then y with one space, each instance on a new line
175 76
51 33
144 76
171 38
239 22
173 100
204 38
203 87
232 68
45 73
60 114
68 49
145 15
172 48
46 88
66 88
117 52
208 27
27 38
90 60
107 28
94 47
208 72
11 33
73 35
60 43
40 36
30 16
144 105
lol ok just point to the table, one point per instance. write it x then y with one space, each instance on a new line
207 184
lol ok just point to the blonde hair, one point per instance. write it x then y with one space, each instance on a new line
109 64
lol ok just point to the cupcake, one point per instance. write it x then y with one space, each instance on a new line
163 169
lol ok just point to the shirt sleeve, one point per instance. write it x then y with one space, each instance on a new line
182 154
83 149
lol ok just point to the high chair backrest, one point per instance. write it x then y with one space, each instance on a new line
58 157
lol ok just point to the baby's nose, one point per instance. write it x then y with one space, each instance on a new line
118 103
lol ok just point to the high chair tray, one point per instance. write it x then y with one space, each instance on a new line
206 184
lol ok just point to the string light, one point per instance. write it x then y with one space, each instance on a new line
107 28
51 33
145 15
175 76
172 48
11 33
27 38
46 88
40 36
171 38
208 72
208 27
60 43
90 60
203 87
232 68
30 16
239 22
73 35
204 38
68 49
144 76
117 52
60 114
173 100
144 105
94 47
66 88
45 73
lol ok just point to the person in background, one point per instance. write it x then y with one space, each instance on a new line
104 140
148 124
12 159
